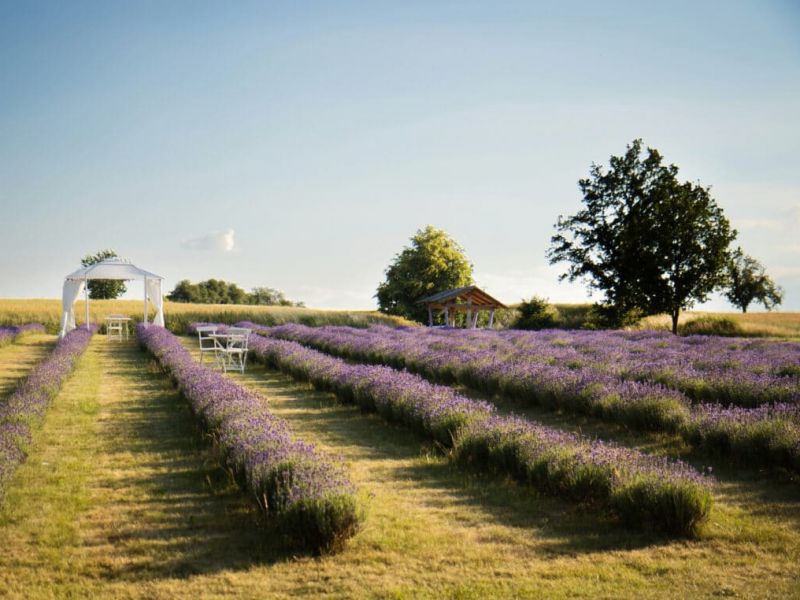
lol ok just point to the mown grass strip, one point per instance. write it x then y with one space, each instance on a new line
10 334
25 408
309 494
643 491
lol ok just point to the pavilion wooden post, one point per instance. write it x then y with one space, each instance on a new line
446 317
491 319
430 317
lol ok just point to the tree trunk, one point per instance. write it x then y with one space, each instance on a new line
744 309
675 322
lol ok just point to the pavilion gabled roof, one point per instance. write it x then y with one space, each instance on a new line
470 294
112 268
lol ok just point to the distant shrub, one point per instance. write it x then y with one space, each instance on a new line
712 326
603 316
573 316
536 313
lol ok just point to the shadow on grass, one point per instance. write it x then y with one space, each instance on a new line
561 527
180 512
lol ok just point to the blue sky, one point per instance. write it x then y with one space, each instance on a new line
299 145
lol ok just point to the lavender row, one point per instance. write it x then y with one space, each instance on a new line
641 490
768 435
706 368
309 494
25 408
12 333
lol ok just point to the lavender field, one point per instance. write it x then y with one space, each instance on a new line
558 457
737 399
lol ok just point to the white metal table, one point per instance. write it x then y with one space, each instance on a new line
117 326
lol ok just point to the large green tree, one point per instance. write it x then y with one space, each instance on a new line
648 242
433 262
748 282
103 289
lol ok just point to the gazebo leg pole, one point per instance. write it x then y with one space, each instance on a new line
491 319
446 317
144 320
86 299
430 317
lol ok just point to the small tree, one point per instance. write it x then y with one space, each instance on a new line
433 262
103 289
748 282
648 242
536 313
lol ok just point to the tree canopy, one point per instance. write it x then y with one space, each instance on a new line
270 297
648 242
433 262
103 289
211 291
748 282
217 291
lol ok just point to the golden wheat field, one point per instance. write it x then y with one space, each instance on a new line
755 324
48 313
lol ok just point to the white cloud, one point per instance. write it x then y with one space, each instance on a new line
216 241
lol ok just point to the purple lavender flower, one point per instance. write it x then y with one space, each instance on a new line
644 490
646 380
308 492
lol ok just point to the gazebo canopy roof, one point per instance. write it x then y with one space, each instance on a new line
471 295
112 268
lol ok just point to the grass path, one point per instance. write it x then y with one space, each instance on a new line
121 498
18 358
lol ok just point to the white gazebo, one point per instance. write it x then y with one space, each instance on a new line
111 268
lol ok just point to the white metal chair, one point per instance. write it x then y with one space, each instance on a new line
207 343
231 351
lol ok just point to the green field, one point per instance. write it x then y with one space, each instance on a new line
122 497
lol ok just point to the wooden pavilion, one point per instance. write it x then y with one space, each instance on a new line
470 300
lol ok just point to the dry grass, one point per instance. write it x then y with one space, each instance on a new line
48 312
756 324
121 499
17 359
